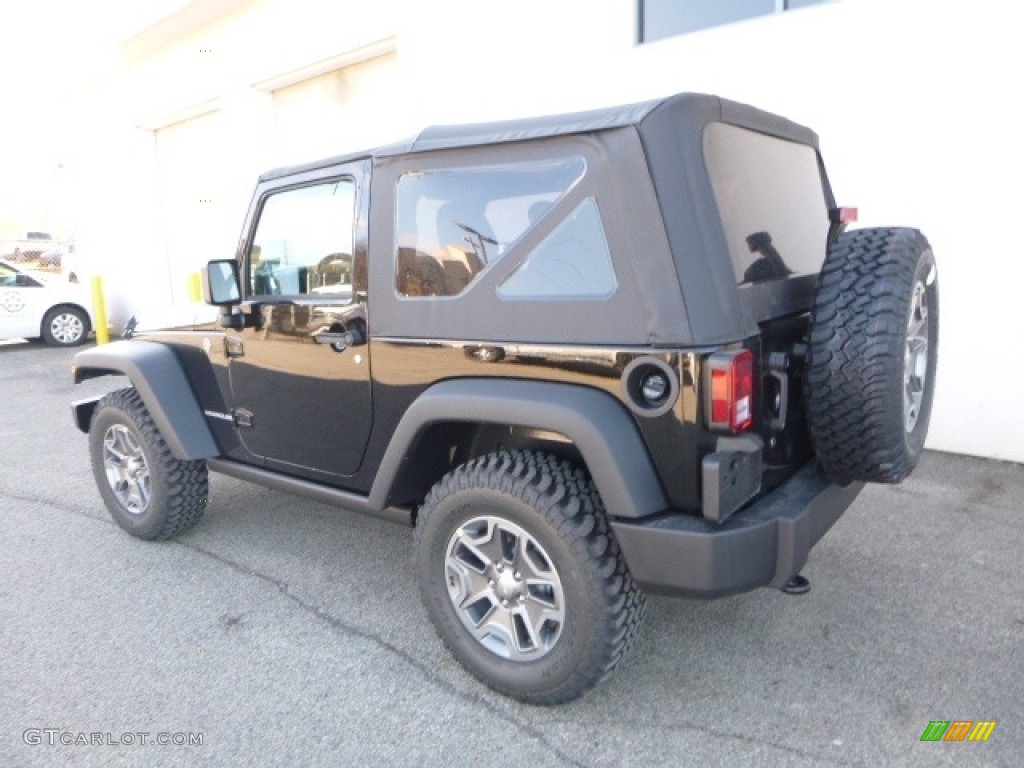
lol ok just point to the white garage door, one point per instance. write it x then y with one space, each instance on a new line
197 227
345 110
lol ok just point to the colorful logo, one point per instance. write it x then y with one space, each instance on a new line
959 730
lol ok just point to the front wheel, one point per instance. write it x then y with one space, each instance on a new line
522 577
148 492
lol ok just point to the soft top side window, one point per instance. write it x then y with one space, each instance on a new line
452 224
304 242
573 262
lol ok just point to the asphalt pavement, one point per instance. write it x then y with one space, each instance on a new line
282 632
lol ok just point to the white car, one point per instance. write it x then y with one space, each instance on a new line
31 306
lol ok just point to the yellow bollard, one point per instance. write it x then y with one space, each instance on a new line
99 310
195 288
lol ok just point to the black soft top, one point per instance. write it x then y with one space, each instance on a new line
646 168
650 118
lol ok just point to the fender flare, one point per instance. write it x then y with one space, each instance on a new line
156 373
600 426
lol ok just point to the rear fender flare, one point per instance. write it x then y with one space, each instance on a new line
600 426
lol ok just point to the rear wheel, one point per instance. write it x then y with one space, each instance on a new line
522 577
149 493
872 354
65 326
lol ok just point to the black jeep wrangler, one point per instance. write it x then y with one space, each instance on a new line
586 356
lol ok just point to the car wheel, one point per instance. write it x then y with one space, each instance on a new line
149 493
65 326
522 577
872 354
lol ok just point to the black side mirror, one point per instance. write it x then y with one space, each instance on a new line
221 286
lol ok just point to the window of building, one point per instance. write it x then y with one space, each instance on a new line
664 18
573 262
452 224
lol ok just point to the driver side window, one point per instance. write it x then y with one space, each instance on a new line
11 278
304 242
8 277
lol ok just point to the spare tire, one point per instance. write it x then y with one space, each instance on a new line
871 354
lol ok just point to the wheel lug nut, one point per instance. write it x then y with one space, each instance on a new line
518 576
491 583
504 603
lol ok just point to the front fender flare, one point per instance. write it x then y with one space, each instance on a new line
156 373
602 429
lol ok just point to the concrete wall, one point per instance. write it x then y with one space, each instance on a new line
913 101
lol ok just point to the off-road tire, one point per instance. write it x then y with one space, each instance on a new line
175 491
556 509
877 302
65 326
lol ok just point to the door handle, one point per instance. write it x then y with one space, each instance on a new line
339 340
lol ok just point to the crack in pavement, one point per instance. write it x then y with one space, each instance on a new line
335 623
56 504
814 757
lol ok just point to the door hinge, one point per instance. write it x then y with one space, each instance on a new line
243 418
234 347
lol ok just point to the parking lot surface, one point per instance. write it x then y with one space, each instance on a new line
282 632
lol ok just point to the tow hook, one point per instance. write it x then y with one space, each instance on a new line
798 585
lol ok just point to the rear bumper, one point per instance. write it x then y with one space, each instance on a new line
763 545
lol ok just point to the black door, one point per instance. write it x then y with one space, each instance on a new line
300 379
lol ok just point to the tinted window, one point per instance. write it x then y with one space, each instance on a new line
303 242
10 277
771 200
572 262
7 276
453 224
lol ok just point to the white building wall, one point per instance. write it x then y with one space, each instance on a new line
317 115
914 101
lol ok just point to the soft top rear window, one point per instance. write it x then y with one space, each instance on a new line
771 200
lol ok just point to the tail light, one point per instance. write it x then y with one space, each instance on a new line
730 387
843 215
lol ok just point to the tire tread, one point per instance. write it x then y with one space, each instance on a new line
567 498
853 370
187 482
